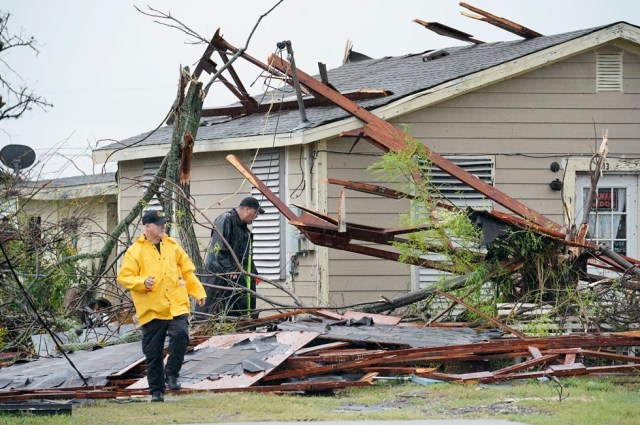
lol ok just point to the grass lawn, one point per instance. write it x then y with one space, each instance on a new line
589 401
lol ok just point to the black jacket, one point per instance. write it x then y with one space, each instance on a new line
218 258
220 261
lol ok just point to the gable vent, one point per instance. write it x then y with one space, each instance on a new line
609 72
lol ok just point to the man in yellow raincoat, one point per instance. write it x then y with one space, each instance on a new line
160 276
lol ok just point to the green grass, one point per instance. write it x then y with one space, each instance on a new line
587 400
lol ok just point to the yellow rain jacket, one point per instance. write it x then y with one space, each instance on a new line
174 279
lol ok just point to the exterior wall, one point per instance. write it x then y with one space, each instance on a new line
528 122
356 278
548 115
97 211
216 187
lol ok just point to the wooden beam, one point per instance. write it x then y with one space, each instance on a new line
447 31
501 23
387 137
292 103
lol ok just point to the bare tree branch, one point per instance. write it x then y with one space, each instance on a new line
17 98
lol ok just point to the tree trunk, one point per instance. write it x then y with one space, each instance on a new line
177 206
414 297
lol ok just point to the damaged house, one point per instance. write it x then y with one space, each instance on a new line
524 116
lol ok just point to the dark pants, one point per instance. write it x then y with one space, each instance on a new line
228 303
153 336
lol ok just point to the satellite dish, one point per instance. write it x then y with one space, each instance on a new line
17 157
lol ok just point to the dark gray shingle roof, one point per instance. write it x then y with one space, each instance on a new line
72 181
403 75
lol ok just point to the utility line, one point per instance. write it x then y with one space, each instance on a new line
35 310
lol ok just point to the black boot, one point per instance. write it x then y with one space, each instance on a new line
172 382
157 397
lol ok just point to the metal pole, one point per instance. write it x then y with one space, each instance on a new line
294 75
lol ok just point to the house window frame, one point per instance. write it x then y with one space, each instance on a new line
581 165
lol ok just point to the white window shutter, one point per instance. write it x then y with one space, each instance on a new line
268 238
150 168
460 195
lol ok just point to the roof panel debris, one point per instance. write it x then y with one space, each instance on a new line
320 356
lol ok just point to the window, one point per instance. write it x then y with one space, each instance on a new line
268 237
460 195
609 72
613 214
608 218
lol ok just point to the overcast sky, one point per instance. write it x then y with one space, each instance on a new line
111 72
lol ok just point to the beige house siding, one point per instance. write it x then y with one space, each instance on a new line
217 187
97 213
356 278
532 120
525 123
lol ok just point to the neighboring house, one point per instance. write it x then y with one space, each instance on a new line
506 111
86 206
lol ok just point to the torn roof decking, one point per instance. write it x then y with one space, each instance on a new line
393 335
323 230
96 366
387 137
493 349
500 22
236 360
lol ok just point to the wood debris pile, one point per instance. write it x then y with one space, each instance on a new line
320 351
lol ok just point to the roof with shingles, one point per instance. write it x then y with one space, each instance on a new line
64 182
402 75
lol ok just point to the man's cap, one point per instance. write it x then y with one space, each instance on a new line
251 203
154 217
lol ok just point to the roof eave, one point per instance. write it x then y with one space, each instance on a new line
70 192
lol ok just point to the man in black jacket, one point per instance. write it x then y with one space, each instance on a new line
222 267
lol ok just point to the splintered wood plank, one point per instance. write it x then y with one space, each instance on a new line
527 364
567 369
535 352
399 370
322 347
610 356
378 319
474 375
328 314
